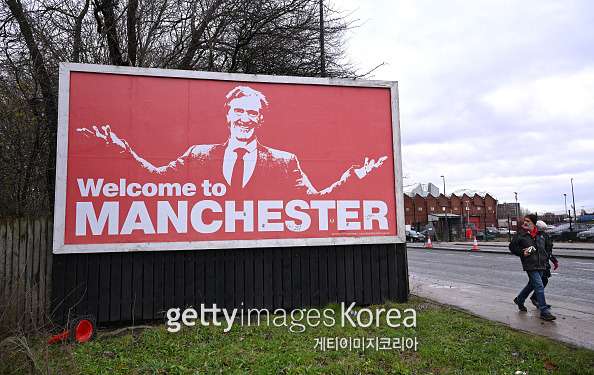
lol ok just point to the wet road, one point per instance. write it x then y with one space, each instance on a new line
572 282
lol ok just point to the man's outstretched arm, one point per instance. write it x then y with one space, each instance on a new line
113 141
359 171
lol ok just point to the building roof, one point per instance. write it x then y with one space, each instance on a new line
422 189
472 193
425 189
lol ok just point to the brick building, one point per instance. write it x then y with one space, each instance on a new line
424 204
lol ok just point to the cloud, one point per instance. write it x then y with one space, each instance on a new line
559 99
495 95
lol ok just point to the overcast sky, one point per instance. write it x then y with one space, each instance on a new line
494 95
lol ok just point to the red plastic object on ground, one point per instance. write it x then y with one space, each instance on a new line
83 328
60 337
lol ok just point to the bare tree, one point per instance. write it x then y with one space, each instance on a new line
279 37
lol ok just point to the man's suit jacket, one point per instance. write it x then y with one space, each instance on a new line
275 170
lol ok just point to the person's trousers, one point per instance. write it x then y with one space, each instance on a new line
535 284
545 281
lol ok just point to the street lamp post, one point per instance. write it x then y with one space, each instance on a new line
568 213
573 197
445 209
415 214
517 211
468 213
565 195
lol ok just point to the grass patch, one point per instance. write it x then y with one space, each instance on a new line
449 342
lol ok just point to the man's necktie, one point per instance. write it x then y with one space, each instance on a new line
237 176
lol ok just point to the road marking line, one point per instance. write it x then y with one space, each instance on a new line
587 264
585 269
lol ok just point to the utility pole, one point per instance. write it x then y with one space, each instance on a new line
322 50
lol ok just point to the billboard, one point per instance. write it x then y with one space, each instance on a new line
153 159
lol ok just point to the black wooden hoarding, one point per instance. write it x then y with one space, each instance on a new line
116 287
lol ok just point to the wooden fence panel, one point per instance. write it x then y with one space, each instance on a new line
143 285
139 285
25 272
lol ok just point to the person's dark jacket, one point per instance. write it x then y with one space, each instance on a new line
548 243
538 259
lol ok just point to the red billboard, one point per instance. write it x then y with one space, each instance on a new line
154 159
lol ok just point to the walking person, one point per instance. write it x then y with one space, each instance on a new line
534 258
542 235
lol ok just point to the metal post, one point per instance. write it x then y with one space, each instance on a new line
445 209
415 214
517 212
468 213
573 197
565 195
485 218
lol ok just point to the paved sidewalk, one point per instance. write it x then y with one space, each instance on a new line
569 250
574 324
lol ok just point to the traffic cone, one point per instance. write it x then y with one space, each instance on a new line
475 247
429 242
81 329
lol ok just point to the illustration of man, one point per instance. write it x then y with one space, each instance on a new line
241 159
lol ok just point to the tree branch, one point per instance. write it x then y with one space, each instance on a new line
186 62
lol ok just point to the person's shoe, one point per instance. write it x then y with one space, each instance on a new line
548 317
520 305
535 302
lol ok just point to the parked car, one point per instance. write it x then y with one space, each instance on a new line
587 235
492 230
563 232
414 236
481 236
506 231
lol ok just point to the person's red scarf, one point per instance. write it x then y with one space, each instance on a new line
532 232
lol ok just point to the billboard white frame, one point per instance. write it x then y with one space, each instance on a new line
59 246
